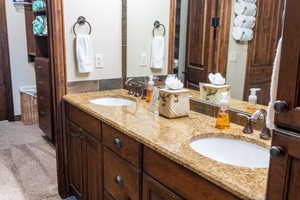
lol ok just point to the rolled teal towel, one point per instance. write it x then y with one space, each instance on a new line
39 25
38 5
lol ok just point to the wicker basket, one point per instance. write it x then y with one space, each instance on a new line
29 107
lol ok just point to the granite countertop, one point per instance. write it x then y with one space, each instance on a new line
171 137
235 104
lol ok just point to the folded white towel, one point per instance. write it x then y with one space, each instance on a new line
244 21
274 85
158 52
248 1
84 53
245 8
242 34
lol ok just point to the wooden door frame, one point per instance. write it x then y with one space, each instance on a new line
59 87
172 34
5 57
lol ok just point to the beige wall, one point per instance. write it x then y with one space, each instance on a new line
105 18
237 64
22 72
141 16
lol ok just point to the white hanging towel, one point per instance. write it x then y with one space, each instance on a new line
84 53
158 52
274 86
245 8
244 21
242 34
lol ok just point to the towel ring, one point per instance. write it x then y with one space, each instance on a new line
157 26
82 21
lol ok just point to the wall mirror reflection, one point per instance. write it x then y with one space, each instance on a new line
199 37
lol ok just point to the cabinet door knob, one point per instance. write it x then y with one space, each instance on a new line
118 143
119 181
277 151
281 106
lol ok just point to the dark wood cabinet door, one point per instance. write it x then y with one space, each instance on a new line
93 180
43 84
262 49
75 149
200 41
289 77
284 174
153 190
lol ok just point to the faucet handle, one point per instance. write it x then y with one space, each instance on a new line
248 129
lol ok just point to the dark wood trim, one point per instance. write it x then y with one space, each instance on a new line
172 35
58 65
124 41
5 59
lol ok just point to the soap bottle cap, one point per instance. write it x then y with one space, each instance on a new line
254 90
151 82
224 99
253 96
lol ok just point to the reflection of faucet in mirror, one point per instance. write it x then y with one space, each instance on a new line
136 88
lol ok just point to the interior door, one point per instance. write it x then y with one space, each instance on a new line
6 104
262 49
289 78
200 41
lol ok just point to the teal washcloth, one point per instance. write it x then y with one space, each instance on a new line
40 25
38 5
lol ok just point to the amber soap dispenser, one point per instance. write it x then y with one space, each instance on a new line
223 120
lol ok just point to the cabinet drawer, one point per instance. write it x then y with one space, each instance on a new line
121 144
91 125
121 179
187 184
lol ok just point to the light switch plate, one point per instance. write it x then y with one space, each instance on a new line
143 60
99 61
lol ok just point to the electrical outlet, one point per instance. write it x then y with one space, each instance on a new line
143 60
99 61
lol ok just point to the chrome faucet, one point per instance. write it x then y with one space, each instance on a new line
265 132
135 88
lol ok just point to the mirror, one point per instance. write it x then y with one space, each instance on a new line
203 36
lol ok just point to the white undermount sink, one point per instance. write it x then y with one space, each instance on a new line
233 152
112 101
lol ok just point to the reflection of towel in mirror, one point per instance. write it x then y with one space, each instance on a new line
242 34
84 53
158 52
244 8
249 1
244 21
274 85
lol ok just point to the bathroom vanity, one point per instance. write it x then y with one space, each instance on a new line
128 152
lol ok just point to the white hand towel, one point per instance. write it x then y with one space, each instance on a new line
249 1
84 53
158 52
242 34
244 21
244 8
274 85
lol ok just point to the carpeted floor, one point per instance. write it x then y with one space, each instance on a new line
27 164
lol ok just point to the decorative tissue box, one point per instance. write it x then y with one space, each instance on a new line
174 103
212 93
